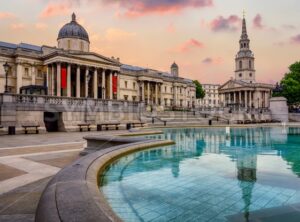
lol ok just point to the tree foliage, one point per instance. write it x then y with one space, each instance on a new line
291 85
200 93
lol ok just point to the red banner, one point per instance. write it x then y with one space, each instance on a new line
115 84
63 78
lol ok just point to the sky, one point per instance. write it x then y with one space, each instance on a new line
201 36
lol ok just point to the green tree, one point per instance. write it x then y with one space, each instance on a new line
291 85
200 93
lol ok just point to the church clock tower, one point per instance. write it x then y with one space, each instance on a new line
244 60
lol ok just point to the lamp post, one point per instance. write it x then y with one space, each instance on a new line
6 69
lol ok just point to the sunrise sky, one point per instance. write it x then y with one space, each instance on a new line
200 35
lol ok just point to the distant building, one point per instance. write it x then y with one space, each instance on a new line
211 99
243 90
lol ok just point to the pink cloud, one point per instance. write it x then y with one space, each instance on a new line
6 15
257 22
188 46
231 24
138 8
295 39
55 9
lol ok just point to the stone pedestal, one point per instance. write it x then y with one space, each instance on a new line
279 109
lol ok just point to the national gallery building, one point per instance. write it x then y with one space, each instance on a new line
71 70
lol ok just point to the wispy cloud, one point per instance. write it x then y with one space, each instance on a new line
188 46
295 39
56 9
6 15
210 60
41 26
138 8
230 24
257 22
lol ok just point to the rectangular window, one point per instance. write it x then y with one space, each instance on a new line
134 98
26 71
134 85
69 44
40 74
165 89
126 97
126 84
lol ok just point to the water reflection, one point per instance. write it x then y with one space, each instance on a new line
242 148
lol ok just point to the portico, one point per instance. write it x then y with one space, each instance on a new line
81 80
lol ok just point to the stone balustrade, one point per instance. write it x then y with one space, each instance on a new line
65 104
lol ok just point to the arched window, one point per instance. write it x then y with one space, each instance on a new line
241 64
250 64
240 75
245 45
250 74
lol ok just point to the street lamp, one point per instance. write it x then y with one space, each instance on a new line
6 69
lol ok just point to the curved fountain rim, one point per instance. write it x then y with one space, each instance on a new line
74 195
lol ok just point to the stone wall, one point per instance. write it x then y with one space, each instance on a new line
279 109
18 110
294 117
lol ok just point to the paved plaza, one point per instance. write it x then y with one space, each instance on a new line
28 162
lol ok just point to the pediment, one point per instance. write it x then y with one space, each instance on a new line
231 84
97 58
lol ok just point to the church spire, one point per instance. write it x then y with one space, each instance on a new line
244 41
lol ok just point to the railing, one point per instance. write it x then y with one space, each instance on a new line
59 104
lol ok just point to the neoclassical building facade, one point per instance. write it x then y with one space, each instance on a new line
71 70
243 90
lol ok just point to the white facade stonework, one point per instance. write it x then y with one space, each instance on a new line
211 99
88 74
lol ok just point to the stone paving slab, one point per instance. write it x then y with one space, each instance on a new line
7 172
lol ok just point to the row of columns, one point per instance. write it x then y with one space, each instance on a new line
257 99
142 91
55 88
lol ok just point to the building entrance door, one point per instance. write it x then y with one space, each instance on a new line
51 121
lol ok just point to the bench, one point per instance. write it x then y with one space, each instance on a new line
83 125
134 124
106 125
26 127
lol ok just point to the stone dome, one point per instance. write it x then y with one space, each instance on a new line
73 30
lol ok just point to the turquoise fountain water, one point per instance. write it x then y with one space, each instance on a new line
209 176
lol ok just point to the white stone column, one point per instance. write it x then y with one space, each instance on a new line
33 75
250 99
48 80
86 81
20 71
52 80
95 81
156 94
68 80
143 91
246 99
78 81
103 84
234 97
58 79
110 85
240 97
148 93
118 86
